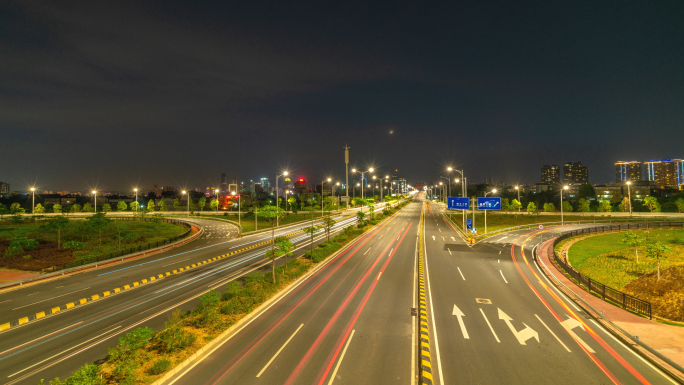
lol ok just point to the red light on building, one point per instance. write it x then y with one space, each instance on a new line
301 180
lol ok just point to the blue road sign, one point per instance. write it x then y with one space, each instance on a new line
474 231
458 203
493 203
469 223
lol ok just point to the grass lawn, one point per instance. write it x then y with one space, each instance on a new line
614 264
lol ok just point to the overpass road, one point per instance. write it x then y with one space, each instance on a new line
55 345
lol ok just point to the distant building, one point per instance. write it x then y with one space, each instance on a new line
666 173
288 184
541 187
627 171
258 188
155 189
4 188
300 186
420 186
550 174
223 186
575 174
265 184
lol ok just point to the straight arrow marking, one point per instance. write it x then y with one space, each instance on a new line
572 323
459 314
522 335
433 237
453 239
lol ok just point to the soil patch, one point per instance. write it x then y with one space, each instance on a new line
44 256
666 296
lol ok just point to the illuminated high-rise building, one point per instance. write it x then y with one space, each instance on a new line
666 173
574 173
627 171
550 174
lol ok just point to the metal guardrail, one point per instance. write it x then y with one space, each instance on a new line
129 250
627 301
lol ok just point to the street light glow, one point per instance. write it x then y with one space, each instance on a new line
183 191
370 169
492 190
449 168
516 187
353 170
565 187
285 173
33 189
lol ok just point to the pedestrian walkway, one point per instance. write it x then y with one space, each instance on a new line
668 340
11 276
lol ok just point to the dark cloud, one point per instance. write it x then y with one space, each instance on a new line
126 93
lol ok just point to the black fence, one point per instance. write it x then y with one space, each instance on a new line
130 250
606 292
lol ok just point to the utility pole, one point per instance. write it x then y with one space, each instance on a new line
346 166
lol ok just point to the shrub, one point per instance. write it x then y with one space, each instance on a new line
73 245
160 366
124 357
173 337
207 312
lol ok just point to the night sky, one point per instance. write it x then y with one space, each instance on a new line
113 95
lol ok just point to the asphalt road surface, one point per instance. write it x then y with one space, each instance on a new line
58 344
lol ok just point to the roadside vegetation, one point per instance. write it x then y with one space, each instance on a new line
35 243
648 265
142 355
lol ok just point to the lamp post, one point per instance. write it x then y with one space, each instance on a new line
239 208
217 200
33 201
95 195
517 188
629 191
336 201
564 188
363 175
322 186
464 192
136 200
450 173
184 192
278 203
490 192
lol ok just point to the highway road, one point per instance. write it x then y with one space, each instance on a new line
57 344
495 318
349 322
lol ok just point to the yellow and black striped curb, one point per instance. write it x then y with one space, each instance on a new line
425 360
95 297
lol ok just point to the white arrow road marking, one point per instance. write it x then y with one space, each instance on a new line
443 239
459 314
503 238
572 323
433 237
522 335
459 270
551 331
502 276
449 251
490 326
453 239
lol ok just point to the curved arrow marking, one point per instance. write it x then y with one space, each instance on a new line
522 335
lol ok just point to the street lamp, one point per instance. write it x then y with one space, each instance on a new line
363 175
336 203
486 193
450 173
374 177
278 203
629 191
464 192
184 192
239 208
95 195
33 200
217 200
517 188
322 185
564 188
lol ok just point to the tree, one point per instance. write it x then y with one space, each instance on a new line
39 209
273 215
633 239
605 206
3 210
135 206
16 219
57 208
150 205
162 205
75 208
97 222
549 207
567 207
214 204
586 191
311 230
56 223
531 208
657 250
360 215
624 205
583 205
371 210
121 206
202 202
680 205
156 218
106 208
652 204
292 201
282 246
176 204
515 205
16 208
328 224
87 207
505 205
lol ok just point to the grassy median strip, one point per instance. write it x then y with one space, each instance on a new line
143 354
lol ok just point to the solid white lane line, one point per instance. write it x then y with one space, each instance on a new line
498 261
551 331
490 325
63 351
26 343
280 350
51 298
368 250
334 373
449 251
379 274
32 294
176 262
633 352
459 270
502 276
432 313
6 301
499 251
